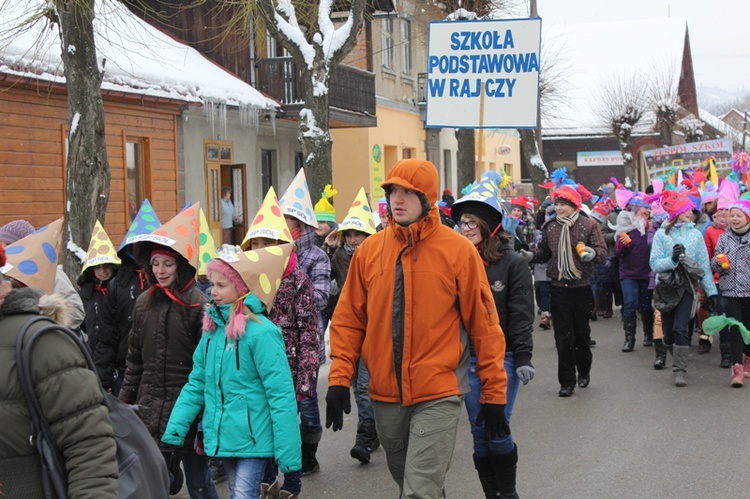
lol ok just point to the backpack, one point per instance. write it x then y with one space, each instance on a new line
142 468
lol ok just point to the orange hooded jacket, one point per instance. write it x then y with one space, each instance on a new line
413 299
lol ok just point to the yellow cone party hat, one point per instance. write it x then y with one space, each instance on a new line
101 250
261 269
207 244
180 234
296 200
33 259
359 216
268 223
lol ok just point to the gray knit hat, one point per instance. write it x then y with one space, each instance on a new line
15 230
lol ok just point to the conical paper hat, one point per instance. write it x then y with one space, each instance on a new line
101 250
180 234
268 223
144 223
207 244
33 259
296 200
359 216
261 269
485 191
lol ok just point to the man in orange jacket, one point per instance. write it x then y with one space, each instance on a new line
415 296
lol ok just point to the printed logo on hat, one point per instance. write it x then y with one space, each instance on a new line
33 259
101 250
268 222
207 244
144 223
359 216
296 200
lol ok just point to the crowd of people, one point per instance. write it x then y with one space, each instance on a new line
429 305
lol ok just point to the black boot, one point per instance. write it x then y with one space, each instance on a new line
661 354
310 440
505 473
629 324
647 317
486 473
726 355
367 441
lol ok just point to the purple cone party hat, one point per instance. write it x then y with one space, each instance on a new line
101 250
207 244
33 259
268 222
144 223
262 269
180 234
296 200
359 216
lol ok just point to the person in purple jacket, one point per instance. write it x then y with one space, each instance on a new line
632 247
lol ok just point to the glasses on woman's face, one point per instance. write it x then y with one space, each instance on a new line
467 224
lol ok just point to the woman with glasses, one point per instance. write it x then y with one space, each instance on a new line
479 217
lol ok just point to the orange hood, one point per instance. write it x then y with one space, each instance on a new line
417 175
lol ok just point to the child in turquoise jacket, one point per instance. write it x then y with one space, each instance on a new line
241 383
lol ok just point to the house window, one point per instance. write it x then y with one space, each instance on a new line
268 163
389 48
299 161
405 46
136 175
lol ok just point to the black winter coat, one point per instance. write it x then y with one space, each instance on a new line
92 298
160 356
115 321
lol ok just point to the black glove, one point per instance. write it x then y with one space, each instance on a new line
492 416
678 251
711 303
337 403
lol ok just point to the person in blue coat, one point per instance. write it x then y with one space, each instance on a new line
240 380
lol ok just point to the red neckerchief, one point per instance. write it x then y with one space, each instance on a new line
101 289
173 297
142 278
499 226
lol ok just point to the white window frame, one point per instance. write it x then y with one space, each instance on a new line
388 52
406 63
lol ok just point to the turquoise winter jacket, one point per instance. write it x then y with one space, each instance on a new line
244 389
695 248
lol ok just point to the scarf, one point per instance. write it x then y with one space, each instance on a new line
565 261
742 231
175 298
291 265
627 221
296 233
102 288
349 250
721 225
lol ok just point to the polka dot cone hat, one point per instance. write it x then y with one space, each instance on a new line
296 200
359 216
485 191
262 269
180 234
268 222
207 244
144 223
101 250
33 259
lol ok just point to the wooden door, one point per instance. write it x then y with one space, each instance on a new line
213 199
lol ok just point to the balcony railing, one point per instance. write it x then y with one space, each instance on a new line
350 88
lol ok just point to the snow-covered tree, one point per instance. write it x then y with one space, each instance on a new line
692 127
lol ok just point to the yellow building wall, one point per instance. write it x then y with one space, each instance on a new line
361 157
498 152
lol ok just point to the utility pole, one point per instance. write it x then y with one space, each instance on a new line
533 12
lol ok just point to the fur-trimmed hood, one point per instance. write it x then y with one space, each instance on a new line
33 301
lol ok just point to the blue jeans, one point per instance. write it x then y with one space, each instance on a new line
675 322
635 296
309 412
542 289
197 476
361 385
244 476
505 444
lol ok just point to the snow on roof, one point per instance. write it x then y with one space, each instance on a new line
139 59
594 55
716 123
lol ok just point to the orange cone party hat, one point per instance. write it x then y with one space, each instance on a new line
180 234
101 250
296 200
207 245
33 260
268 223
262 269
359 216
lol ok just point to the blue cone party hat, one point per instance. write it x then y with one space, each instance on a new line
144 223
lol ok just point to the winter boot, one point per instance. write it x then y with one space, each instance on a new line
607 308
546 321
629 324
746 365
726 355
594 313
704 345
486 473
679 364
661 354
310 440
647 317
285 494
271 491
738 375
505 473
367 441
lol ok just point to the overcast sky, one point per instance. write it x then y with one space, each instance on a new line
719 34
